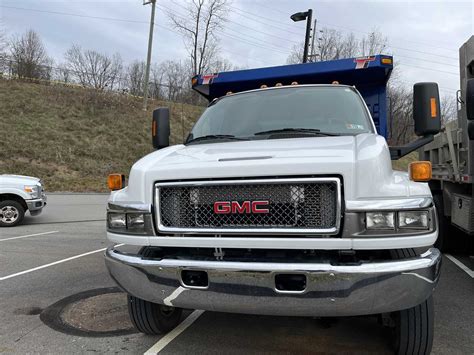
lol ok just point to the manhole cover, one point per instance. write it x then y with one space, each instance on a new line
100 312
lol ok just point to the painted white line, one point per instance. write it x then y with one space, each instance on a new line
29 235
53 263
168 338
168 300
460 264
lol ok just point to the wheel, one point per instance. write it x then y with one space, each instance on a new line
11 213
444 223
414 328
152 318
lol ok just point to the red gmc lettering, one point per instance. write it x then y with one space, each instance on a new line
247 207
237 208
222 207
257 207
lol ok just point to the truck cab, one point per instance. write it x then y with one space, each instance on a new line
282 201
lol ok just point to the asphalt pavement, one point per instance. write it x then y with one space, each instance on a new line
53 261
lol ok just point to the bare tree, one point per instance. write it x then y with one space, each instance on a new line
3 49
448 109
94 69
333 44
400 114
296 54
28 57
174 79
373 43
63 74
134 77
203 19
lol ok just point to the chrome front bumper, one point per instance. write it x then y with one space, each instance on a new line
36 205
249 287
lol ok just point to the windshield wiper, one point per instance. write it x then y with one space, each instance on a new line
315 131
214 136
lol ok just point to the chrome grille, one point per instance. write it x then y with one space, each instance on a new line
309 205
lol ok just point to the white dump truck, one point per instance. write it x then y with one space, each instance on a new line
283 201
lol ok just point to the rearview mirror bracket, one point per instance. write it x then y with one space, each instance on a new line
398 152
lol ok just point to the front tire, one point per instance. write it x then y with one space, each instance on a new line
11 213
414 328
152 318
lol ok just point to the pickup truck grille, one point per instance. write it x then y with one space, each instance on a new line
310 206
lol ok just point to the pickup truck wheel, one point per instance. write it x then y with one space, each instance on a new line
11 213
414 329
152 318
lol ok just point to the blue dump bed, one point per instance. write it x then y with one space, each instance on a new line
368 74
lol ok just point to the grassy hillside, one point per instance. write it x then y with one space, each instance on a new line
73 138
402 164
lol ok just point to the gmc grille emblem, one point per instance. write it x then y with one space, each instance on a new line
245 207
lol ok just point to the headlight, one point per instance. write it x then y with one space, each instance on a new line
130 223
33 190
117 221
380 220
413 219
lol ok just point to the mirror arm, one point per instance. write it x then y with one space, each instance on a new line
398 152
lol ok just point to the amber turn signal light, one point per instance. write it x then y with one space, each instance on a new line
420 171
116 181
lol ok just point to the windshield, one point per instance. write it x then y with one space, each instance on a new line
330 110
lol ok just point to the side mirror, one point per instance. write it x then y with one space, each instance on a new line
160 128
426 109
470 99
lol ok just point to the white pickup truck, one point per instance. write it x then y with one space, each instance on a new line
19 194
282 201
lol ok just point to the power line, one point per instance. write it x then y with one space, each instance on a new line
347 28
244 40
173 11
264 45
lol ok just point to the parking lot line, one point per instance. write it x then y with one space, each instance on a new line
460 264
27 236
168 338
53 263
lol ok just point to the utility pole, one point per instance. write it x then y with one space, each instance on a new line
148 58
313 52
308 34
308 16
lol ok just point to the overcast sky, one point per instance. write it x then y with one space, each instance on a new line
424 36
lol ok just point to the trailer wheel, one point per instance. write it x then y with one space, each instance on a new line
11 213
152 318
443 222
414 328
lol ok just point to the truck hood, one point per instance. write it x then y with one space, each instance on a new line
14 180
362 161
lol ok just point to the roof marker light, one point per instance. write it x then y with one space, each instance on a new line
278 84
263 86
335 82
294 83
